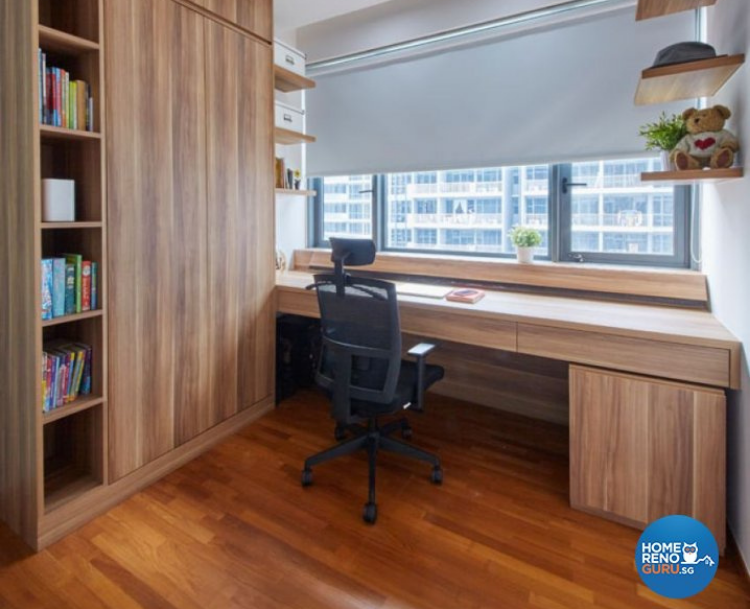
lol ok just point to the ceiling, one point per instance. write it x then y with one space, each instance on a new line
292 14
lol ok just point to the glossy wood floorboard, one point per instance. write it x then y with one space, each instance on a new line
234 529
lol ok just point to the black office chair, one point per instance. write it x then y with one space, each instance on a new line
361 368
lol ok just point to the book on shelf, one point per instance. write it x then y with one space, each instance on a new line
70 285
66 373
466 295
63 101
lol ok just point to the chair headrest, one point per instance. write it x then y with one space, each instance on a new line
352 252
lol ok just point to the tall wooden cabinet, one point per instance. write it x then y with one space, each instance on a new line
180 219
191 199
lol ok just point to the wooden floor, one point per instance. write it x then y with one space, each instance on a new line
234 529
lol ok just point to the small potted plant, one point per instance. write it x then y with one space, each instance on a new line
663 135
526 241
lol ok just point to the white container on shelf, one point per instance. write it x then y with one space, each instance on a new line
289 58
289 117
58 200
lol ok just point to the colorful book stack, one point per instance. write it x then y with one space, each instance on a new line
63 102
70 285
66 373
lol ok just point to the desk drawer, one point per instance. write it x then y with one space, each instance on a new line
453 326
705 365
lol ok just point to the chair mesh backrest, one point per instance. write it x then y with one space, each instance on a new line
365 315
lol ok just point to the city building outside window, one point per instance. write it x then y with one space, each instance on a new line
608 215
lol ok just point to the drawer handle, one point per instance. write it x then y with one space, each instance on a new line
288 118
290 60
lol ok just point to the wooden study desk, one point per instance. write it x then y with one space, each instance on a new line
647 403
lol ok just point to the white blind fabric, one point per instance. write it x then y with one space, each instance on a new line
562 93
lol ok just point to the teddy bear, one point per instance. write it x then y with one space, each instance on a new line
707 143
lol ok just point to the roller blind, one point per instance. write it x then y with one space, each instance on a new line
562 93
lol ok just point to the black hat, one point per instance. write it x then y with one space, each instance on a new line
683 52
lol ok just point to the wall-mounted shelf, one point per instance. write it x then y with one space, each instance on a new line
287 137
299 193
288 81
694 176
686 80
51 39
647 9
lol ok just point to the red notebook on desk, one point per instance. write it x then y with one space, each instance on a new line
467 295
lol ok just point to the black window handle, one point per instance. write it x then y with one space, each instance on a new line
567 185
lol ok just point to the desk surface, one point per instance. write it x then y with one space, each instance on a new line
679 344
684 326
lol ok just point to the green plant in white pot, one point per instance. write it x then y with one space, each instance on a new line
663 135
526 240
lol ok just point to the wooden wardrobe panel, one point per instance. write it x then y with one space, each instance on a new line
157 208
190 255
241 267
253 15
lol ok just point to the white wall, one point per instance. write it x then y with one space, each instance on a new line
291 211
726 257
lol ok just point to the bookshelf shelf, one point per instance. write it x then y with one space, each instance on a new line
79 405
298 193
68 484
287 137
688 80
59 133
68 319
287 81
648 9
51 39
70 225
694 176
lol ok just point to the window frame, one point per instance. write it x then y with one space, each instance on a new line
559 233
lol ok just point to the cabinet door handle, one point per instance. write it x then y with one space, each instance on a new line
290 60
288 118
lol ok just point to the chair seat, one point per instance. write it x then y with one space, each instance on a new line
405 391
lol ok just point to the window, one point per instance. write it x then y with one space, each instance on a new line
605 215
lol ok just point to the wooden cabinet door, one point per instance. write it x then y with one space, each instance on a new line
253 15
240 221
158 240
643 448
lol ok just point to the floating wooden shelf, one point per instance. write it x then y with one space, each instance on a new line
287 81
648 9
693 175
50 132
300 193
79 405
287 137
51 39
689 80
71 318
69 225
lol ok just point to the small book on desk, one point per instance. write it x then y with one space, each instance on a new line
467 295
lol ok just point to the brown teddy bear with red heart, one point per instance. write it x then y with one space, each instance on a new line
707 143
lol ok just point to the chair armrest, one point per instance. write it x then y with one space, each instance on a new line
421 350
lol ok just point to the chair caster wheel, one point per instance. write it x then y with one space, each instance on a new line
370 513
407 433
437 475
307 477
339 433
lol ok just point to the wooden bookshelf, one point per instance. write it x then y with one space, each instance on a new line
688 80
694 176
72 453
287 137
288 81
294 192
648 9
